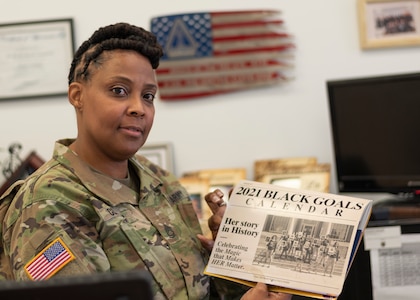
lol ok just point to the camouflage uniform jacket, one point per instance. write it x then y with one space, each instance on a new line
104 226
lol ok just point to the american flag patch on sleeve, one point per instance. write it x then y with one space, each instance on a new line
49 261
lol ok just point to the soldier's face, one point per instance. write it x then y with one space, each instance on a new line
116 109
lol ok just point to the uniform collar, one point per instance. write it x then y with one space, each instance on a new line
108 189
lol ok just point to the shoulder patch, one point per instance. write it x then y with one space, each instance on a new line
49 261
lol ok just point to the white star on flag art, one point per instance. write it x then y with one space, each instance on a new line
212 53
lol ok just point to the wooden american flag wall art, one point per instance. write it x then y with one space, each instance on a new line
211 53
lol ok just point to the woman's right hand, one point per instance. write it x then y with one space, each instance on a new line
261 292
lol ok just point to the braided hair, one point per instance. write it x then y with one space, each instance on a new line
112 37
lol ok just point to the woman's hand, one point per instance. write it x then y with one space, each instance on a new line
260 292
218 206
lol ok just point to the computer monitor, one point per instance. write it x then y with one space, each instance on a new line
376 129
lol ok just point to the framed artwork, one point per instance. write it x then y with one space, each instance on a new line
310 177
197 188
312 181
160 154
389 23
274 166
223 179
35 58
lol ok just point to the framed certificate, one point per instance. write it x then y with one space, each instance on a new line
35 58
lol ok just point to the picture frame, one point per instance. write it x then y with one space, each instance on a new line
313 178
274 166
160 154
197 188
388 23
312 181
223 179
35 58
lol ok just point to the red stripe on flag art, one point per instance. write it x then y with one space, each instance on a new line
219 52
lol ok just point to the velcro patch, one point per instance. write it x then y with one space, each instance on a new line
49 261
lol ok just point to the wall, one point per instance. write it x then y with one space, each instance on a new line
229 130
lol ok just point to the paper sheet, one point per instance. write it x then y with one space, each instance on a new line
396 271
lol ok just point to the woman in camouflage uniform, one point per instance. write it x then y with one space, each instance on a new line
97 207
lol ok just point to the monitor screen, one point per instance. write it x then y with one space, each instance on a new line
376 133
